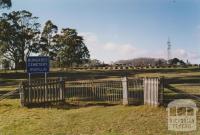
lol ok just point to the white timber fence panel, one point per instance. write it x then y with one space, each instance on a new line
152 91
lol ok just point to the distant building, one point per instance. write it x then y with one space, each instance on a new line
1 66
6 64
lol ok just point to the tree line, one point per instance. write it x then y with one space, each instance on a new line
141 62
21 36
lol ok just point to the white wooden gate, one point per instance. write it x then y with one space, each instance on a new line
153 91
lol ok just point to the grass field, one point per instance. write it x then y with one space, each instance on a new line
98 119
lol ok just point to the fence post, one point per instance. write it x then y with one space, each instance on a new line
125 90
21 94
145 90
61 88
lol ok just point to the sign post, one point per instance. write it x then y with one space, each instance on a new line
45 81
37 64
29 83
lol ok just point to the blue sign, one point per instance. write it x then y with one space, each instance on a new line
37 64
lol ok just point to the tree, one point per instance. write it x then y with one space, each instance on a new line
161 62
47 43
5 4
71 48
176 61
19 36
94 62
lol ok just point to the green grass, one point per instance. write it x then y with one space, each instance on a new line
99 120
8 88
192 88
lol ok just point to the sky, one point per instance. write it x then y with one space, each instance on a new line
126 29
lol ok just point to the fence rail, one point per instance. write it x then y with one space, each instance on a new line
126 91
8 94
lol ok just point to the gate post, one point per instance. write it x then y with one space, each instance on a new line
125 90
145 90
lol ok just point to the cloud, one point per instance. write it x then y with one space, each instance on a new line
90 38
121 48
92 43
180 53
192 56
108 51
113 51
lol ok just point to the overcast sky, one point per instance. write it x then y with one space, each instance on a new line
125 29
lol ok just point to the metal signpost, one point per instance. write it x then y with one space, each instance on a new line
37 64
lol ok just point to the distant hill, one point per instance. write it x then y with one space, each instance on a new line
142 62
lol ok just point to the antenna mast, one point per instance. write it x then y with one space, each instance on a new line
168 49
